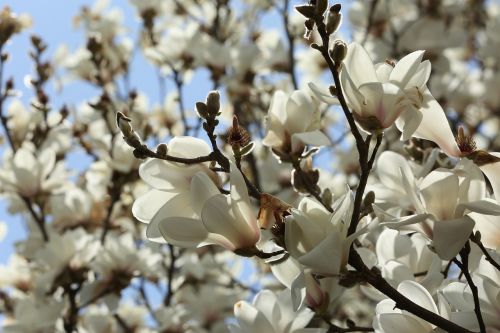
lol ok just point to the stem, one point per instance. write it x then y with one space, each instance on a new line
366 167
170 275
464 267
402 302
291 44
311 188
489 258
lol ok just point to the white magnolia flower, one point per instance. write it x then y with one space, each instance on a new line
311 231
172 186
228 221
380 94
270 313
292 122
390 319
28 173
444 204
34 316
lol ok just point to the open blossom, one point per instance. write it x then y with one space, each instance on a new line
444 207
170 193
382 94
311 231
390 319
228 221
28 173
270 313
293 121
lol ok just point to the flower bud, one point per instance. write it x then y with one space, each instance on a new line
333 20
339 51
321 6
213 102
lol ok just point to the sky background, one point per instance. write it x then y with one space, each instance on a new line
53 21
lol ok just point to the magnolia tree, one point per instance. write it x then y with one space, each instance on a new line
326 184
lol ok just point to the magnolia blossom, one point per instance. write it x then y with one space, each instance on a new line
444 204
293 121
389 319
311 231
380 94
28 173
270 313
171 185
228 221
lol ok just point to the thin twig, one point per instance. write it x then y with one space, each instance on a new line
488 256
464 267
291 44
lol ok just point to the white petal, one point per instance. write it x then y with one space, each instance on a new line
299 112
323 94
435 126
325 265
388 165
406 68
485 206
188 147
418 295
177 206
492 172
183 231
287 271
314 138
202 189
439 191
450 236
489 227
148 204
359 65
408 122
250 319
396 322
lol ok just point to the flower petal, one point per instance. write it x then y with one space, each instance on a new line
406 68
359 65
450 236
182 231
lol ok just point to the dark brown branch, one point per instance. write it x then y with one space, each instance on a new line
374 278
489 258
170 275
291 44
464 267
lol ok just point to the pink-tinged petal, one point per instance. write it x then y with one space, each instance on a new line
146 206
418 295
323 94
450 236
384 101
188 147
396 322
313 138
299 112
406 68
439 191
177 206
359 65
492 172
435 127
182 231
202 189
